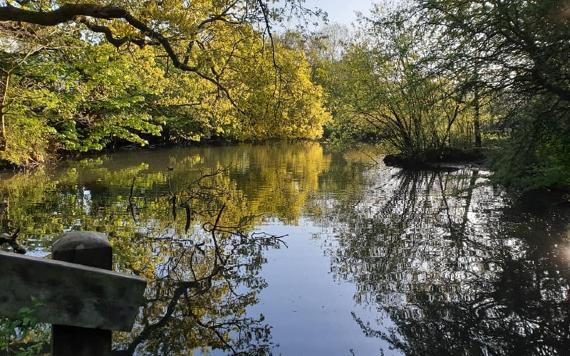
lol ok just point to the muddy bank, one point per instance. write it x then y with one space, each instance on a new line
444 160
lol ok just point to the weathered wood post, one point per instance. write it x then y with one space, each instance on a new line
78 295
89 249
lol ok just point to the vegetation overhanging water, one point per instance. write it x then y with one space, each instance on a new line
286 248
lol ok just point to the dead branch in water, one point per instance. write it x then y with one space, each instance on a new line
6 239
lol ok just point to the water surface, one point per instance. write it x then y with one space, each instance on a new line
286 248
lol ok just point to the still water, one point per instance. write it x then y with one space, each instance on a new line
286 248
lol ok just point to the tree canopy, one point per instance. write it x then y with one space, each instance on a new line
422 78
87 76
433 75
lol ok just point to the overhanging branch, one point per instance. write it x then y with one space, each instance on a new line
85 13
80 12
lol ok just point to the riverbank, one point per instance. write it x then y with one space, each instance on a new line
440 160
450 160
55 158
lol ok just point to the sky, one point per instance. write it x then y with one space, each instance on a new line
341 11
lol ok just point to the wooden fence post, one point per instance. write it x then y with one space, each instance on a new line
88 249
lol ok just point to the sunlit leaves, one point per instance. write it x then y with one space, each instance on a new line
84 95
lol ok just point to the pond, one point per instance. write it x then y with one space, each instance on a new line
286 248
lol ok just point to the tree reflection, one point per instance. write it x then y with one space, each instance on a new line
185 222
446 256
454 269
201 290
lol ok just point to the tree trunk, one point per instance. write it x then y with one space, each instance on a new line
4 84
477 123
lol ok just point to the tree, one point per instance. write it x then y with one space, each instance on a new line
512 44
382 87
183 29
116 73
519 51
67 95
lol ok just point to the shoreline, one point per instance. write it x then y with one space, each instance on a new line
7 167
441 160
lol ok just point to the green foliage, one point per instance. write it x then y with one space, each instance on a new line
272 99
535 154
381 90
435 75
442 74
67 90
519 50
23 336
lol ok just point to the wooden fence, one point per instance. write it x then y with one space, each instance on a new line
76 292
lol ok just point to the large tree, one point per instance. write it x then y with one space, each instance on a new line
184 70
516 51
511 43
183 29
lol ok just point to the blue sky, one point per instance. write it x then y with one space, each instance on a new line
341 11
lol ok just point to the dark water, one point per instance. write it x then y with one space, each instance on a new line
287 249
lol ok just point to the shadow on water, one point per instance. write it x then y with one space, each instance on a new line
457 267
449 264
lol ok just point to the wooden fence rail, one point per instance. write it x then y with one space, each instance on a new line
76 293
